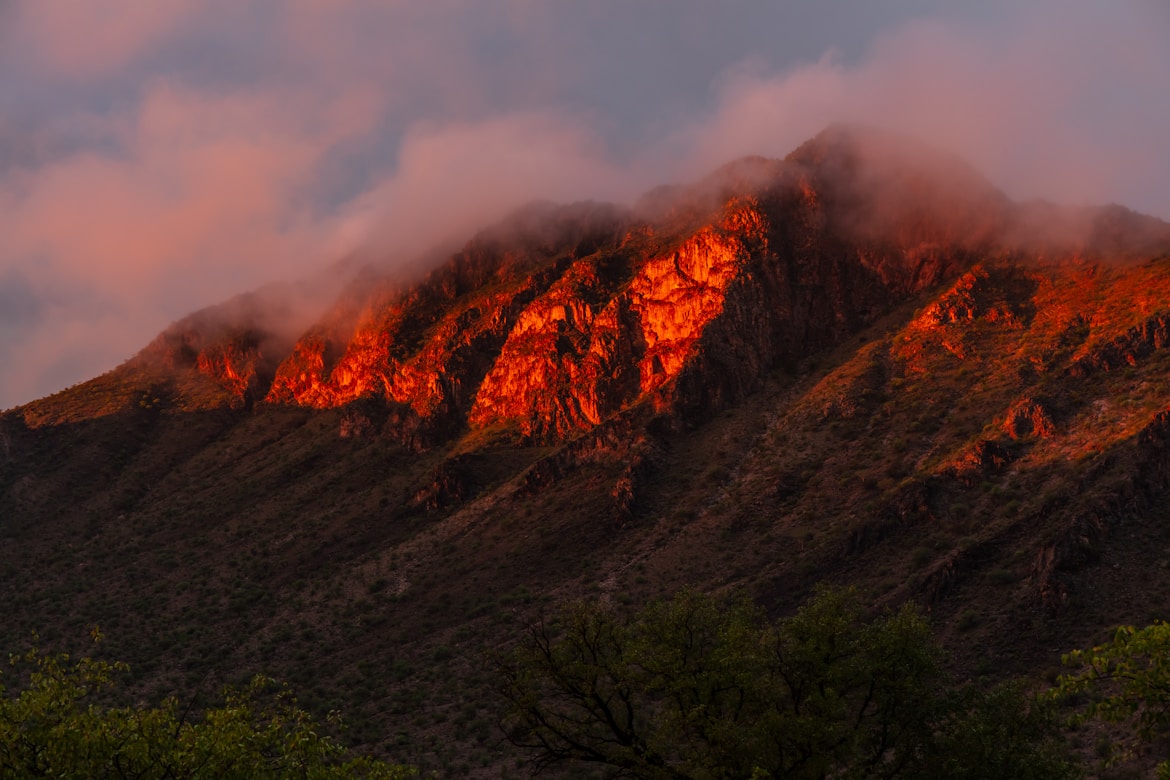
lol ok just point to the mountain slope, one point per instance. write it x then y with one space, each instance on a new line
860 364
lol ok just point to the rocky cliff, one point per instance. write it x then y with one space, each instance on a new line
557 320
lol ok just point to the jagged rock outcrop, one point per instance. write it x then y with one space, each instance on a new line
983 459
979 294
1127 349
450 483
1028 417
236 351
682 305
567 364
428 346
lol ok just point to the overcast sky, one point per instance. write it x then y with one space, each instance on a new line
158 156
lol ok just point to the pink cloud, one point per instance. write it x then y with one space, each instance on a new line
199 184
454 179
1024 106
85 39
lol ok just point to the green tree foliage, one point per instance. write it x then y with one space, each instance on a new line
53 725
1001 732
1126 681
692 688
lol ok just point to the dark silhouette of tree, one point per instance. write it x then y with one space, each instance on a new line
694 688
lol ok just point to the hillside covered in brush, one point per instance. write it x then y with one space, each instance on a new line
861 364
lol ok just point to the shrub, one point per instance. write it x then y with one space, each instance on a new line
58 725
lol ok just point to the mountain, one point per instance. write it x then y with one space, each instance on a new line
861 364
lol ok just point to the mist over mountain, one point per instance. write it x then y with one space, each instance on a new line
158 158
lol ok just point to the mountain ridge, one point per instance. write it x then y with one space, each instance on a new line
921 198
783 375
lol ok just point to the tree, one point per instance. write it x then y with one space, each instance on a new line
692 688
1125 681
1001 732
56 726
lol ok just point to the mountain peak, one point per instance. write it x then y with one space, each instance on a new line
559 317
573 315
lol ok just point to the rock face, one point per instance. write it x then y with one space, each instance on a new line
233 349
551 323
1127 349
615 329
1028 417
426 347
235 360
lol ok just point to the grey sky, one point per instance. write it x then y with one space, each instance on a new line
157 157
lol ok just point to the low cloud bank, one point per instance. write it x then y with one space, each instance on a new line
174 156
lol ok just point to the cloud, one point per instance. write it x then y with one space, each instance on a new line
160 157
86 39
1070 105
454 179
